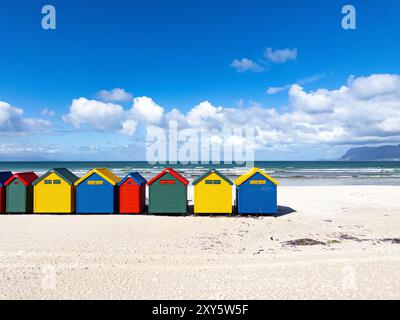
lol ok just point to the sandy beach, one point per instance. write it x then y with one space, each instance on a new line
328 242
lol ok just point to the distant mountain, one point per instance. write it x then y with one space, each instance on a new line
383 153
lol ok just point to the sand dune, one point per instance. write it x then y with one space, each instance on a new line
341 242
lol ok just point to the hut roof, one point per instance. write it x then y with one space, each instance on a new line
172 172
63 173
102 172
251 173
205 175
135 176
27 178
4 176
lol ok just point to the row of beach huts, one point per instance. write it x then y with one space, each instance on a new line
101 191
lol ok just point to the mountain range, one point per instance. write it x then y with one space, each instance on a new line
382 153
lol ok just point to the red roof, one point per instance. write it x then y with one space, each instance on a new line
173 173
27 178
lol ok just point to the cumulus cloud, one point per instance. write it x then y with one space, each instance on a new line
365 110
96 114
280 55
114 95
343 116
146 110
205 115
129 127
12 119
376 85
245 65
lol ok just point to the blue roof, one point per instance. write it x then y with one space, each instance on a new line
135 176
4 176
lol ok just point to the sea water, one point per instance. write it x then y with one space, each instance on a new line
291 173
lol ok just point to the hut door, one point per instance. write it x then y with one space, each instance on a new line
128 193
16 196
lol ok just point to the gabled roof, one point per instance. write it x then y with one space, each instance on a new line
172 172
102 172
27 178
4 176
204 176
135 176
63 173
251 173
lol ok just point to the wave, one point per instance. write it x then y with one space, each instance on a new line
346 172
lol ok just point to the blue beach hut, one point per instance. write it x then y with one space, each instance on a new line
256 193
96 192
4 176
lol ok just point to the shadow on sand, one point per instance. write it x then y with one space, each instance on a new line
283 211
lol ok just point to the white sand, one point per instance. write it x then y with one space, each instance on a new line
146 257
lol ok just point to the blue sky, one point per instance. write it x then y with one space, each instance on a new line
180 54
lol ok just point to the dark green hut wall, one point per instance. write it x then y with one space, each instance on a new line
168 198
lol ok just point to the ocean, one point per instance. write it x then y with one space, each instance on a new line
289 173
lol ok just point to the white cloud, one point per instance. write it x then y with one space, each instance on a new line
93 114
376 85
145 110
280 55
311 79
302 82
343 116
244 65
114 95
97 114
12 120
205 115
129 127
25 151
332 117
48 112
274 90
318 101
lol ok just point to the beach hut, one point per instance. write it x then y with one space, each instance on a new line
19 192
256 193
54 192
168 193
132 193
212 193
4 176
96 192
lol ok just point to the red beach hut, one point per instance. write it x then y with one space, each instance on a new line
132 193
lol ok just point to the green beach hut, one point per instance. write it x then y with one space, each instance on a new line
168 193
19 192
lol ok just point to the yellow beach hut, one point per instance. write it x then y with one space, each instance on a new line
212 193
54 192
